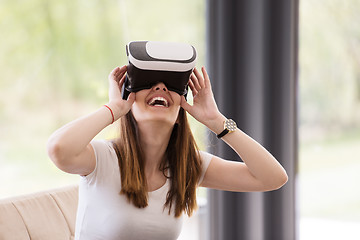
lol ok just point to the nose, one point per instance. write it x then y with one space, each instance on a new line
160 87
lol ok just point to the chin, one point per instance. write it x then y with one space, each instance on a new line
166 116
155 118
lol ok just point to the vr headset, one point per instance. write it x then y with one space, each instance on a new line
152 62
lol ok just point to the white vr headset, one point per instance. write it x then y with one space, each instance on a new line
153 62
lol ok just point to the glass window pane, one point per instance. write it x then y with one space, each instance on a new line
55 59
329 119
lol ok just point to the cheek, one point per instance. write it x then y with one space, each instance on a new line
137 111
177 101
176 98
138 106
176 116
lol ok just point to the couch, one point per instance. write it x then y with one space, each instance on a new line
48 215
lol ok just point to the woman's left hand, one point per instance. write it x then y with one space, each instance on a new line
204 108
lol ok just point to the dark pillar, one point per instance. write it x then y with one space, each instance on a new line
252 62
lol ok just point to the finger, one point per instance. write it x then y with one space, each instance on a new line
195 82
122 69
119 74
112 73
199 78
192 88
118 71
122 80
195 78
206 76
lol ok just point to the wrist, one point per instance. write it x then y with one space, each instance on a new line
217 125
116 111
112 113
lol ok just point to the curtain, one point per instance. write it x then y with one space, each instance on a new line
251 57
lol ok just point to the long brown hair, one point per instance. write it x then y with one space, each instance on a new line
181 159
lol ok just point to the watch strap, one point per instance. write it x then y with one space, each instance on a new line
223 133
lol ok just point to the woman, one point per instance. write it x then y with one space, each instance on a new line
138 186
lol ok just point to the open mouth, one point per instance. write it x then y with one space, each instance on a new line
158 101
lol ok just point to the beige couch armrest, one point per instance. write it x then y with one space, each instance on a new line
40 216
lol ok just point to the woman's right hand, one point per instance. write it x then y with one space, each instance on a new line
69 147
117 104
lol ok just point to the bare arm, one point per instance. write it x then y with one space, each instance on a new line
69 147
260 170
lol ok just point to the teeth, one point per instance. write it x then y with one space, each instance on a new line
153 100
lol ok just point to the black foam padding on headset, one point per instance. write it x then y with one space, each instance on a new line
139 79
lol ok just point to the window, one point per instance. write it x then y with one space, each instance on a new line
330 119
56 56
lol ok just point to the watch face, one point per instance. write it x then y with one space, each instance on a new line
230 125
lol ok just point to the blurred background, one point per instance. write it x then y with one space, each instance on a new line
55 57
329 112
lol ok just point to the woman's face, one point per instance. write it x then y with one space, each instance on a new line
157 104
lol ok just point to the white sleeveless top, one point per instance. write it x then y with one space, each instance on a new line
105 214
